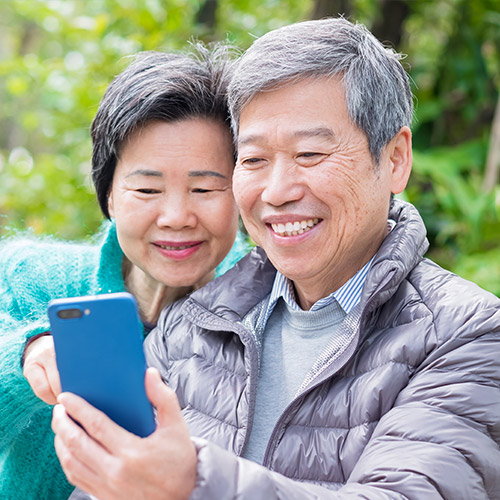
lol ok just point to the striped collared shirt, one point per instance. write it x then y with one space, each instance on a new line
348 295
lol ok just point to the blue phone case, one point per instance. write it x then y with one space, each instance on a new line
99 355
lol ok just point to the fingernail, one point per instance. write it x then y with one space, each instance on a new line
58 408
61 398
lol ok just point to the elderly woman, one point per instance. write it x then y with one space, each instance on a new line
162 166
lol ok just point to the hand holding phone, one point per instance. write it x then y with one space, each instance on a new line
40 369
99 355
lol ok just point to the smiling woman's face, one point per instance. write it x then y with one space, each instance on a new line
171 196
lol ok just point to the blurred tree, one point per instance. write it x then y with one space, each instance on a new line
206 14
389 23
58 56
454 55
324 8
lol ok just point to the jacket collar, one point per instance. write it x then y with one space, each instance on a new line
402 249
233 294
236 292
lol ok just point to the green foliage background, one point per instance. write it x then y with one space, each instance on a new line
57 57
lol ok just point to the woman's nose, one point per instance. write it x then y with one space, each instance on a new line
175 212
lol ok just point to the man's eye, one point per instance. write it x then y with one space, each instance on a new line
200 190
251 161
309 158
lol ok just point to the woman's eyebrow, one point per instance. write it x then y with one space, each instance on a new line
204 173
145 172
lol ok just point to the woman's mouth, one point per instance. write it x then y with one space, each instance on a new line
176 247
178 250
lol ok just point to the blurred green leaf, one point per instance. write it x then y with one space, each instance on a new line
58 56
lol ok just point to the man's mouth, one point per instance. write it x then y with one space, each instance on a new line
295 228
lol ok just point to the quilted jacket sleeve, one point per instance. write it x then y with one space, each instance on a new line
155 344
156 352
440 440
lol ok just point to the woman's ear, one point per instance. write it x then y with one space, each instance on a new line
111 209
400 159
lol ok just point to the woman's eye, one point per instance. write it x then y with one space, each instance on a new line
200 190
309 154
147 191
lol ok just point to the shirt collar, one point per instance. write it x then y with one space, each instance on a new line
348 295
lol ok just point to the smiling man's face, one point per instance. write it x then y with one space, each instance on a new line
307 187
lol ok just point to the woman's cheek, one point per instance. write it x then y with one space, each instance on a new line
223 215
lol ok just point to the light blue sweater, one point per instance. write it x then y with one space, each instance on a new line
292 341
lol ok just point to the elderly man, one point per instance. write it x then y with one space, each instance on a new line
335 361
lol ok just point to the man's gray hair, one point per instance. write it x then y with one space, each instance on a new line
378 95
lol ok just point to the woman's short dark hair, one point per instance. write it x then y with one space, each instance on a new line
157 86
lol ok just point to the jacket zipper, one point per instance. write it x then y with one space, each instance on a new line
250 352
252 382
312 384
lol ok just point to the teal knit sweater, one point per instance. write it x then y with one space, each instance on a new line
32 272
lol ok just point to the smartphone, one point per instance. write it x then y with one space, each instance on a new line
99 355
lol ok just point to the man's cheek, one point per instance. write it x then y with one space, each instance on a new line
242 193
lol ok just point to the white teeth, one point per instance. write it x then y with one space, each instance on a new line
294 228
173 248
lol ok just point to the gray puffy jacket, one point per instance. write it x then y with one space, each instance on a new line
409 407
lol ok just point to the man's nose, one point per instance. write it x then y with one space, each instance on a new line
283 184
175 212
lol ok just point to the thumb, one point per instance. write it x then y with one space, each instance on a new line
163 398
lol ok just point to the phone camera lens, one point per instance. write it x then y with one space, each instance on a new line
72 313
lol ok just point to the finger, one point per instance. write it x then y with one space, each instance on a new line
79 445
37 379
162 398
53 376
50 365
77 473
96 423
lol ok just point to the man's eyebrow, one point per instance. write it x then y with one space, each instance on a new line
145 172
205 173
249 139
324 132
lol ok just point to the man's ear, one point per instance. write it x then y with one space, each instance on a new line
400 159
